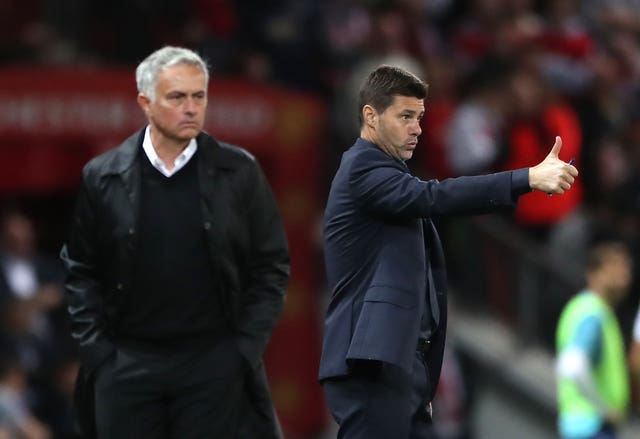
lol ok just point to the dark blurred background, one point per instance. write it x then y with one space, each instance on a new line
505 77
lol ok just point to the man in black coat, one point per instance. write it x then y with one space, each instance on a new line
177 267
385 328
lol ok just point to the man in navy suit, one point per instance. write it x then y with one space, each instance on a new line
385 327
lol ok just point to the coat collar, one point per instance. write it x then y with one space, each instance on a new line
363 143
211 151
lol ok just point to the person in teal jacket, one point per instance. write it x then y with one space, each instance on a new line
593 382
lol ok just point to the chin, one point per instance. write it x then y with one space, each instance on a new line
189 133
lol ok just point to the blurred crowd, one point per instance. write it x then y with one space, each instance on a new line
38 363
505 77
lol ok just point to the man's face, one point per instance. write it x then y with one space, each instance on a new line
178 111
19 236
616 275
398 127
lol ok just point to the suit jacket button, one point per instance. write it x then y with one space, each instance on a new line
207 225
119 286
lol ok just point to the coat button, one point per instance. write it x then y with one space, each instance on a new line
207 225
132 231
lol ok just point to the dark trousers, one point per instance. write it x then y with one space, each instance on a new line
379 401
182 393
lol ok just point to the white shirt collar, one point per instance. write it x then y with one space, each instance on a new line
178 163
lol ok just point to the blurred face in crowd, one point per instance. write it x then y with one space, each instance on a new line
19 236
528 93
177 114
397 128
613 277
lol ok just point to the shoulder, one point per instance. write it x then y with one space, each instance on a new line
589 317
237 153
223 154
114 160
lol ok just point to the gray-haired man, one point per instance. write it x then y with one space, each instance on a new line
177 268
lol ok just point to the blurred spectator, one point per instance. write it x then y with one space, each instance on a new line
30 282
593 387
603 16
475 135
602 113
566 47
212 27
347 27
475 34
288 34
540 114
431 152
33 324
16 418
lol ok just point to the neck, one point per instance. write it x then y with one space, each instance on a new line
603 293
370 136
166 148
367 134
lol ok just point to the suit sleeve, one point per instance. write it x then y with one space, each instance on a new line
83 285
268 271
383 187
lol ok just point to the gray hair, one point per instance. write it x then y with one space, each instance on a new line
148 70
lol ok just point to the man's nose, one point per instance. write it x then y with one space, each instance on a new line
415 129
190 106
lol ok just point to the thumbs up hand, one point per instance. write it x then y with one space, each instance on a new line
552 175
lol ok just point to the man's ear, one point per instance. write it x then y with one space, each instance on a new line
144 102
369 115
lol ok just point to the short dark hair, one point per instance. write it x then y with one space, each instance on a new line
386 82
599 253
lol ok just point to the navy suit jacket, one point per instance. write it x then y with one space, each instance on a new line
383 255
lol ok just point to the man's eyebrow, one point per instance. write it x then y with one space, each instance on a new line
412 112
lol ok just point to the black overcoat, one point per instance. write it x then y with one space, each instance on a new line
246 241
